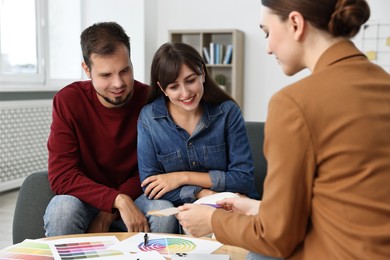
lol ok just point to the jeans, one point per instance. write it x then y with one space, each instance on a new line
66 214
254 256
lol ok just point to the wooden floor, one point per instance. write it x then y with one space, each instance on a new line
7 207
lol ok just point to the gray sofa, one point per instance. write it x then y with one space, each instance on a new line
33 197
35 193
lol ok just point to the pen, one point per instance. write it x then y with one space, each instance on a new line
212 205
145 239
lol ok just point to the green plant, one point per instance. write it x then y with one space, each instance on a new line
220 79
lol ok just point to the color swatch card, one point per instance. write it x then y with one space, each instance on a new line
167 244
164 212
28 249
87 248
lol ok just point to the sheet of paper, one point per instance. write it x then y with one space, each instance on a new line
199 257
371 55
94 247
167 244
147 256
212 199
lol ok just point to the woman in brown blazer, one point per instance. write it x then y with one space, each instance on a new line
327 144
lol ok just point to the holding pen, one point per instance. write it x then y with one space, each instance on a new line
212 205
145 239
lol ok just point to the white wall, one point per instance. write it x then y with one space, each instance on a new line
130 15
147 22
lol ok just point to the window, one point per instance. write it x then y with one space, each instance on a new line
39 43
21 58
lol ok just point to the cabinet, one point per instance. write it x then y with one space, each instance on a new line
230 73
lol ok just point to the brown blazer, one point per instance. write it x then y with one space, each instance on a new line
327 144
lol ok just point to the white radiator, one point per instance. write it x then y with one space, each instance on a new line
24 129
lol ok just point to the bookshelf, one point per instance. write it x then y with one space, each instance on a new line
229 73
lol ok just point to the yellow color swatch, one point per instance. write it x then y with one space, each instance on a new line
371 55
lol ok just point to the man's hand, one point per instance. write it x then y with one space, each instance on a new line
133 218
102 222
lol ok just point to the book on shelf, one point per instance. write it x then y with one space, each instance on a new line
218 53
206 55
212 53
228 54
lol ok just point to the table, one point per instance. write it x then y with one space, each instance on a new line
236 253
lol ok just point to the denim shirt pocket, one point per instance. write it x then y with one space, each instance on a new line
215 157
172 162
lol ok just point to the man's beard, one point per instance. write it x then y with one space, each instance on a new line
118 102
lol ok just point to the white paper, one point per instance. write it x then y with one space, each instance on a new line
212 199
167 244
200 257
147 256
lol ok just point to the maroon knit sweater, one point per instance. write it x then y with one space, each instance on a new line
93 149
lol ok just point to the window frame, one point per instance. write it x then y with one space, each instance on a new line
41 81
39 77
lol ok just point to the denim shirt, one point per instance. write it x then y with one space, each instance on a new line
219 145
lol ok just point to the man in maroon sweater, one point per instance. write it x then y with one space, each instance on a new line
93 143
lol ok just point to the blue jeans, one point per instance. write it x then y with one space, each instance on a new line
66 214
254 256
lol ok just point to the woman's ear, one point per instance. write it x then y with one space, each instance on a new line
86 69
297 24
158 83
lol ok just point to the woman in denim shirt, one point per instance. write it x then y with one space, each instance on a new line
192 140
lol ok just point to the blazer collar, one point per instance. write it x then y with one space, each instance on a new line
342 50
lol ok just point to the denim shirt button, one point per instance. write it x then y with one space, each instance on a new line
194 163
190 143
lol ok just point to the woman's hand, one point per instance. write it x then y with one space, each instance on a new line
243 205
196 219
158 185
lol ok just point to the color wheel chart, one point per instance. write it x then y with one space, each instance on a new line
168 245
